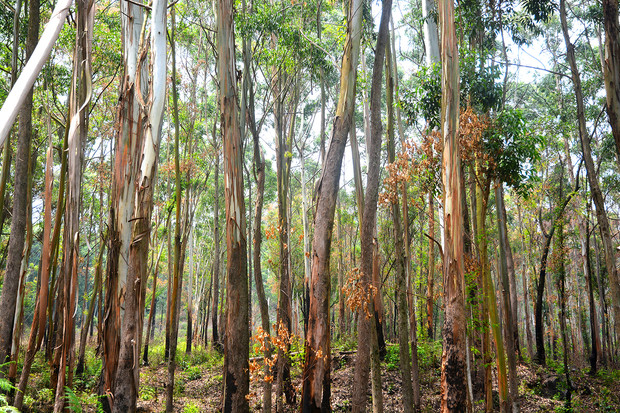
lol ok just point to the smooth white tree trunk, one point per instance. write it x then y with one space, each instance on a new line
31 71
431 38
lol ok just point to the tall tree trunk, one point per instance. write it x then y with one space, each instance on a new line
597 195
482 197
512 279
410 402
128 146
431 266
284 313
494 320
561 283
216 242
81 94
35 339
596 342
508 318
8 298
177 271
19 94
453 380
190 303
316 386
128 372
525 285
393 79
538 321
19 310
306 224
367 329
611 69
236 344
259 173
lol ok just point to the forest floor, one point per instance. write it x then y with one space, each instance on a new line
199 389
198 384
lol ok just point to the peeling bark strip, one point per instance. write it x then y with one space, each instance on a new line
316 390
148 138
81 94
129 141
237 341
453 381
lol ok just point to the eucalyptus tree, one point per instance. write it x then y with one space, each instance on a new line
316 386
595 187
453 390
8 298
137 148
19 92
128 372
410 391
611 69
367 348
81 93
128 141
236 342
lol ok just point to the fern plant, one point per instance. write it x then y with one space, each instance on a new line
75 404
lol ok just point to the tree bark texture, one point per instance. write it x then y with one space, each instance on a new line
316 386
236 344
10 285
508 310
366 336
259 174
284 313
125 174
453 380
411 403
597 195
81 94
128 372
611 69
36 334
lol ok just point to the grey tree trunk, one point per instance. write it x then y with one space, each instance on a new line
597 195
8 298
410 402
367 334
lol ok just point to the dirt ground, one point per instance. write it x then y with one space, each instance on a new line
199 389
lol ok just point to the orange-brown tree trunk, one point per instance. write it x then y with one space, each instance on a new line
453 379
236 343
129 137
611 69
